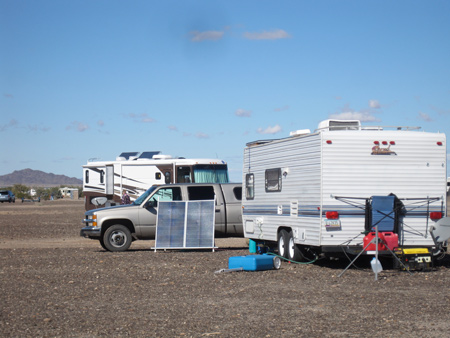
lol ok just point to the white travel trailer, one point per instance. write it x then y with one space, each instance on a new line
327 191
104 181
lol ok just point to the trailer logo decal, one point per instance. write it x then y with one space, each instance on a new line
379 150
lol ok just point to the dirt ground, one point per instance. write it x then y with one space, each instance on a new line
57 284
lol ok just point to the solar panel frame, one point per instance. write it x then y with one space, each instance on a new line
185 225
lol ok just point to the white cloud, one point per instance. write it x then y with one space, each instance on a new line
425 117
141 118
36 128
374 104
281 109
172 128
11 123
197 36
243 113
201 135
78 126
100 123
272 35
269 130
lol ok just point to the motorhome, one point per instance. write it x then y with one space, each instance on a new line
331 190
134 172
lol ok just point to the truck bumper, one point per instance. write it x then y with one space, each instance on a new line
90 232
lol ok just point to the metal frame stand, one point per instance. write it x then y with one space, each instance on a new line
377 240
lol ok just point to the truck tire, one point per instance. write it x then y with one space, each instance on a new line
283 240
117 238
102 244
294 252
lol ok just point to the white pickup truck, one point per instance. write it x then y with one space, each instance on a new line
117 226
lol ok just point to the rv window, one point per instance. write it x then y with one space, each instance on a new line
184 175
249 186
157 176
214 173
86 178
102 176
273 180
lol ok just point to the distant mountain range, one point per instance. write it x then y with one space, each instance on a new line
38 178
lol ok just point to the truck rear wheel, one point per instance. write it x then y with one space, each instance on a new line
283 240
117 238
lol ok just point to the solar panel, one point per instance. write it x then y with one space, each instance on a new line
149 154
185 225
127 155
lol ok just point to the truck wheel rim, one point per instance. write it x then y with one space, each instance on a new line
118 239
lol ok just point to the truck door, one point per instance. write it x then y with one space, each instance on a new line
207 192
148 213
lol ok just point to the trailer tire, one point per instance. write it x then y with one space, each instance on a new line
283 240
117 238
294 252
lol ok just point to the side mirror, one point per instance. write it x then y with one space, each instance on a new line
151 204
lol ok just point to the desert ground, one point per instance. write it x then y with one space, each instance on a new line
57 284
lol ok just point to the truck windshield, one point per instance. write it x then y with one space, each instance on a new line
204 173
144 196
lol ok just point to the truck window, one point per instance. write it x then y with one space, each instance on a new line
273 180
167 194
238 193
201 193
249 186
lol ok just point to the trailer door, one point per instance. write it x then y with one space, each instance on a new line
109 180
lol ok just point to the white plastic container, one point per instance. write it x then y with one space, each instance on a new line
376 265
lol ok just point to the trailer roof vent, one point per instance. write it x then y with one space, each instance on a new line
339 125
300 132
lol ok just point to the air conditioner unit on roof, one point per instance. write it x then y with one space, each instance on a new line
340 125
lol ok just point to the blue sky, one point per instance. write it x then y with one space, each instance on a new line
82 79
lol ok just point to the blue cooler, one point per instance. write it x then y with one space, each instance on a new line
254 262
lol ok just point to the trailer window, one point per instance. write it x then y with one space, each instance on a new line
102 176
273 180
86 176
249 186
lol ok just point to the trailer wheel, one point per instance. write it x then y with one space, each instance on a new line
283 240
294 252
117 238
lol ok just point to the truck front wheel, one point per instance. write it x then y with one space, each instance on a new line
117 238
